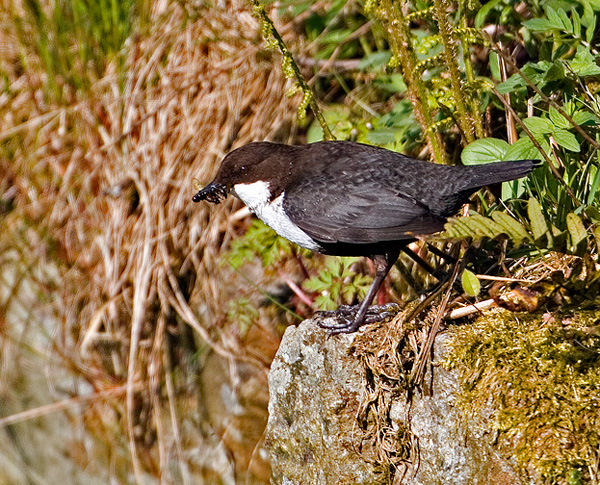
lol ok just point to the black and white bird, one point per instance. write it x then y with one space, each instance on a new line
348 199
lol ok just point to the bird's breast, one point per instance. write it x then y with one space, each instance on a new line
255 195
257 198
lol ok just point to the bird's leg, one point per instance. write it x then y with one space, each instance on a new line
383 264
436 273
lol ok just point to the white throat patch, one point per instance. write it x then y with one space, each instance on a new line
256 196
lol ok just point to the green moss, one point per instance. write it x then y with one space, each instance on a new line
543 375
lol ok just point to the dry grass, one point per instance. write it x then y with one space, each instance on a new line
103 229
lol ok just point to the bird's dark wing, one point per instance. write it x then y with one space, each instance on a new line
331 209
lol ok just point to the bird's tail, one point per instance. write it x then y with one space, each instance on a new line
493 173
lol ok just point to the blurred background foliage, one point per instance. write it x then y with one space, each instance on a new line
137 329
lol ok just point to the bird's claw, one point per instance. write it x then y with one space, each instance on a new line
343 319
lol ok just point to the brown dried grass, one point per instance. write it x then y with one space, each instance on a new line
104 224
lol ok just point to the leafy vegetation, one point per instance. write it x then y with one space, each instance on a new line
338 283
535 230
259 240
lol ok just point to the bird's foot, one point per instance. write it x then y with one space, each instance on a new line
344 319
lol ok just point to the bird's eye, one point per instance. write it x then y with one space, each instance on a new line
244 169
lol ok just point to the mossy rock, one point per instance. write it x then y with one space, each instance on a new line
536 378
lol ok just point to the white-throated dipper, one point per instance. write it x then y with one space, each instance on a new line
348 199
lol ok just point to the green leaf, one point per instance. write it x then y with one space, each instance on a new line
538 25
488 227
494 64
559 120
512 228
511 84
593 186
335 36
315 284
584 118
513 189
554 72
559 19
593 214
259 241
484 150
477 226
590 29
522 149
576 23
566 140
393 83
461 228
483 12
382 136
584 64
337 283
375 60
588 11
539 228
538 126
577 233
470 283
554 18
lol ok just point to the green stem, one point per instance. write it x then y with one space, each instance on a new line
464 121
269 31
475 102
401 44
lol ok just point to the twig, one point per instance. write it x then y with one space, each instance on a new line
501 278
360 32
326 64
511 129
470 309
296 289
418 369
65 404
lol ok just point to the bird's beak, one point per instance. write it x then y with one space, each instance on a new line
213 192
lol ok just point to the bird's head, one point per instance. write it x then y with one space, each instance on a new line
241 166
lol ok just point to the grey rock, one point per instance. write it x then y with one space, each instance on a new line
315 392
317 388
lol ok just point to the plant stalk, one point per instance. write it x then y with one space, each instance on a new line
401 45
269 31
464 120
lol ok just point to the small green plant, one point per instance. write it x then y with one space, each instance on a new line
535 230
243 313
258 241
338 283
